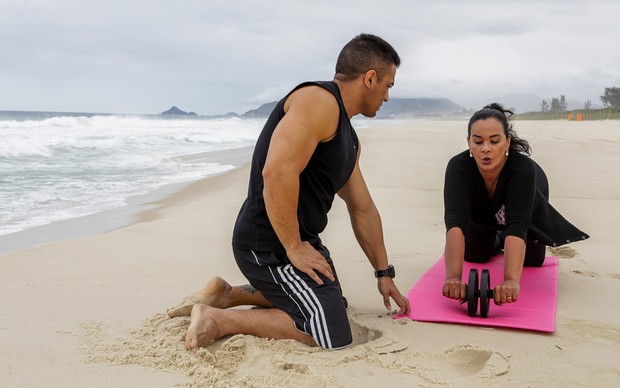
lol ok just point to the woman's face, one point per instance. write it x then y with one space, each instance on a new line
488 145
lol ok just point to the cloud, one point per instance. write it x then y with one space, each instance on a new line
214 57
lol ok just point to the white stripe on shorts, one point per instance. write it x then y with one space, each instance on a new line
318 323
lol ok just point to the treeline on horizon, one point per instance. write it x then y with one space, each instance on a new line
555 109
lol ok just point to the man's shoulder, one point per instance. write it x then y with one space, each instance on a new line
327 85
316 90
312 96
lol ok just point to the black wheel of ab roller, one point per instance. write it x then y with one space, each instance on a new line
486 293
472 291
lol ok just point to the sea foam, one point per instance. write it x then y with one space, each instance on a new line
67 166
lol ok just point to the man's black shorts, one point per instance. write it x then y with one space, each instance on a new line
318 310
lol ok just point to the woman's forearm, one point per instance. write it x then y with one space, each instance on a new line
454 252
514 255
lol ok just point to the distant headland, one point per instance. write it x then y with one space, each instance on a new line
174 111
394 108
414 107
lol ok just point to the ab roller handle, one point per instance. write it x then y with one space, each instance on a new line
485 293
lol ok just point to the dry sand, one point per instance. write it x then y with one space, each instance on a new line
90 311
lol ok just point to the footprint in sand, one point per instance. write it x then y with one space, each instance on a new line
596 274
586 273
290 366
363 334
563 252
382 341
469 360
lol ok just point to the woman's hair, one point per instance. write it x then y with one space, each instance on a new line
363 53
502 115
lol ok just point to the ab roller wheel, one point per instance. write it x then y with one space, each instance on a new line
485 289
472 293
485 293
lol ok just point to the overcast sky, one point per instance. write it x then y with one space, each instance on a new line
213 57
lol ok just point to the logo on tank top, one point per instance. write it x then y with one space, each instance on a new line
500 216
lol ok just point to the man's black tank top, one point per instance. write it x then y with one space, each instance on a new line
328 170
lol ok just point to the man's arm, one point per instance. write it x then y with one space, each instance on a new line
311 116
366 223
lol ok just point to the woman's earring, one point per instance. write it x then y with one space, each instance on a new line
507 151
471 155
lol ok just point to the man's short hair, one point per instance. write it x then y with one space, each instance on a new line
363 53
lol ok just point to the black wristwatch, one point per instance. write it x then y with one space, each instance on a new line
389 271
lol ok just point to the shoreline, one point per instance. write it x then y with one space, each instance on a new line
137 208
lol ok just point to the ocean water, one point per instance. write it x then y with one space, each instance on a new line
59 166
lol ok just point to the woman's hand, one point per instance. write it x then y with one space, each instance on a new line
454 288
506 292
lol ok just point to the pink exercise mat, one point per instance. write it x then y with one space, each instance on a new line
535 309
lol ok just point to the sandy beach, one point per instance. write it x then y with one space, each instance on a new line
90 311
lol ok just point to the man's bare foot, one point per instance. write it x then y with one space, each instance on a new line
203 329
215 293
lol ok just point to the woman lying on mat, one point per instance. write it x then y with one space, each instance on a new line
495 198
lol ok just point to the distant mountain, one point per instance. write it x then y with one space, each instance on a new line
262 111
416 107
177 112
394 108
224 116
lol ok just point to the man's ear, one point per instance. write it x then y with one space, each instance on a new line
370 78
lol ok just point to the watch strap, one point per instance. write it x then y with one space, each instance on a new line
389 271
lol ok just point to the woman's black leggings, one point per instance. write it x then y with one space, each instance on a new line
482 243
